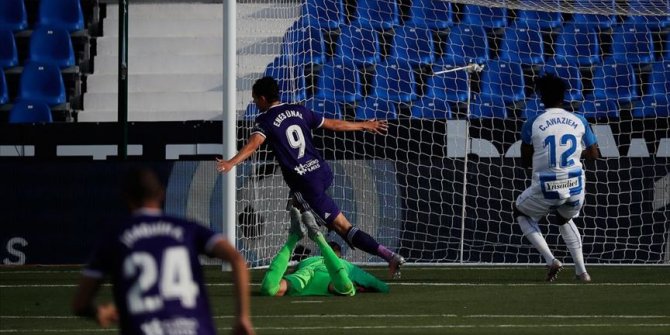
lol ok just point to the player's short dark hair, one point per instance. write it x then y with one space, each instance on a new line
266 87
141 184
551 90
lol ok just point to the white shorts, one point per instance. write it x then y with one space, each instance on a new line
533 203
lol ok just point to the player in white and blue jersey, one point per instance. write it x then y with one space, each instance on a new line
152 262
288 130
553 143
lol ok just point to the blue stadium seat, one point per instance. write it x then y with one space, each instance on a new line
652 22
652 106
503 79
616 82
304 44
52 45
570 74
359 45
8 53
394 82
432 14
374 108
533 107
291 79
631 44
4 91
536 19
378 14
578 44
487 17
599 109
13 15
659 78
488 107
338 81
522 44
450 86
325 108
251 112
413 45
431 108
323 14
26 111
61 13
42 82
599 21
466 44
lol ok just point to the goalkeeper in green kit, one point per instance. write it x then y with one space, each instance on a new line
327 274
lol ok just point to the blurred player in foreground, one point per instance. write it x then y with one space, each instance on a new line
288 128
152 261
553 143
327 274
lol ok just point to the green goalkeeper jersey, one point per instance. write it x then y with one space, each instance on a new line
311 278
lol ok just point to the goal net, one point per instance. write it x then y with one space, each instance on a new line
439 187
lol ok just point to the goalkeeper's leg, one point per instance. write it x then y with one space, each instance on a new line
272 281
338 274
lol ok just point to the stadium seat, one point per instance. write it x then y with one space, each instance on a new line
325 108
487 17
599 21
291 79
13 15
413 45
52 45
652 106
4 91
450 86
659 78
432 14
503 79
578 44
251 112
616 82
394 82
338 82
304 44
466 44
488 107
596 21
631 44
570 74
536 19
374 108
652 22
66 14
359 45
431 108
323 14
533 107
42 82
597 108
522 44
27 111
377 14
8 52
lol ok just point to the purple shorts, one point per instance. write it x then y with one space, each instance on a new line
312 196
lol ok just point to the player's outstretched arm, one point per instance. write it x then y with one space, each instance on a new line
82 304
253 143
226 252
591 152
373 126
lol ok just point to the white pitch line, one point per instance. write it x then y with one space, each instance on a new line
395 316
390 284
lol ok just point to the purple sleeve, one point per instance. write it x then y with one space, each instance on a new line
99 264
313 120
205 238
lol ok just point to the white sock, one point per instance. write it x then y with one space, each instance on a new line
532 232
573 240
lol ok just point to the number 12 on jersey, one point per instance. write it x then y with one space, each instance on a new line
567 140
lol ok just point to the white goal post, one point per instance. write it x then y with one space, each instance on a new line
455 81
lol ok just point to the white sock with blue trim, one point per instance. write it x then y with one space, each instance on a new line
531 230
573 240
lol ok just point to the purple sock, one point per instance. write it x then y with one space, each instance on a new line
367 243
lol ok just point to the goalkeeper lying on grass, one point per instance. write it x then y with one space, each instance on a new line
327 274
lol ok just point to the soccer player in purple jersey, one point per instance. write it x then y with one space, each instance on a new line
288 128
152 261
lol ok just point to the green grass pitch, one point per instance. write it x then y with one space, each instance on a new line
441 300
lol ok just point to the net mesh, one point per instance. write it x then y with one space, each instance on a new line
439 187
